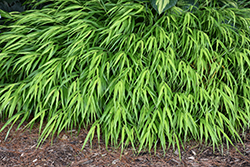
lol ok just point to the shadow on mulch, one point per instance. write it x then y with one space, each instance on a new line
20 149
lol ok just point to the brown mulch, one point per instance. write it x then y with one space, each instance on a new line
20 149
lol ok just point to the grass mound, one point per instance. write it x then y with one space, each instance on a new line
134 76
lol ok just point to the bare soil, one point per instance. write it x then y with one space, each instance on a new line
20 149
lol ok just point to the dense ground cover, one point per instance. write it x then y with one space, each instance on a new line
136 77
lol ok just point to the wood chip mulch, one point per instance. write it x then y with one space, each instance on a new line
20 149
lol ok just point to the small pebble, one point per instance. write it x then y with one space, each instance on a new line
115 161
192 158
176 152
64 137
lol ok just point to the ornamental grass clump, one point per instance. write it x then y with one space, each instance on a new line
136 77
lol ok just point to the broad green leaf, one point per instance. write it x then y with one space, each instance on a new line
162 5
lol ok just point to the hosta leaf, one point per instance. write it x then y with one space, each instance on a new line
12 5
11 1
162 5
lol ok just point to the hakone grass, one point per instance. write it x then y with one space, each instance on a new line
136 77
